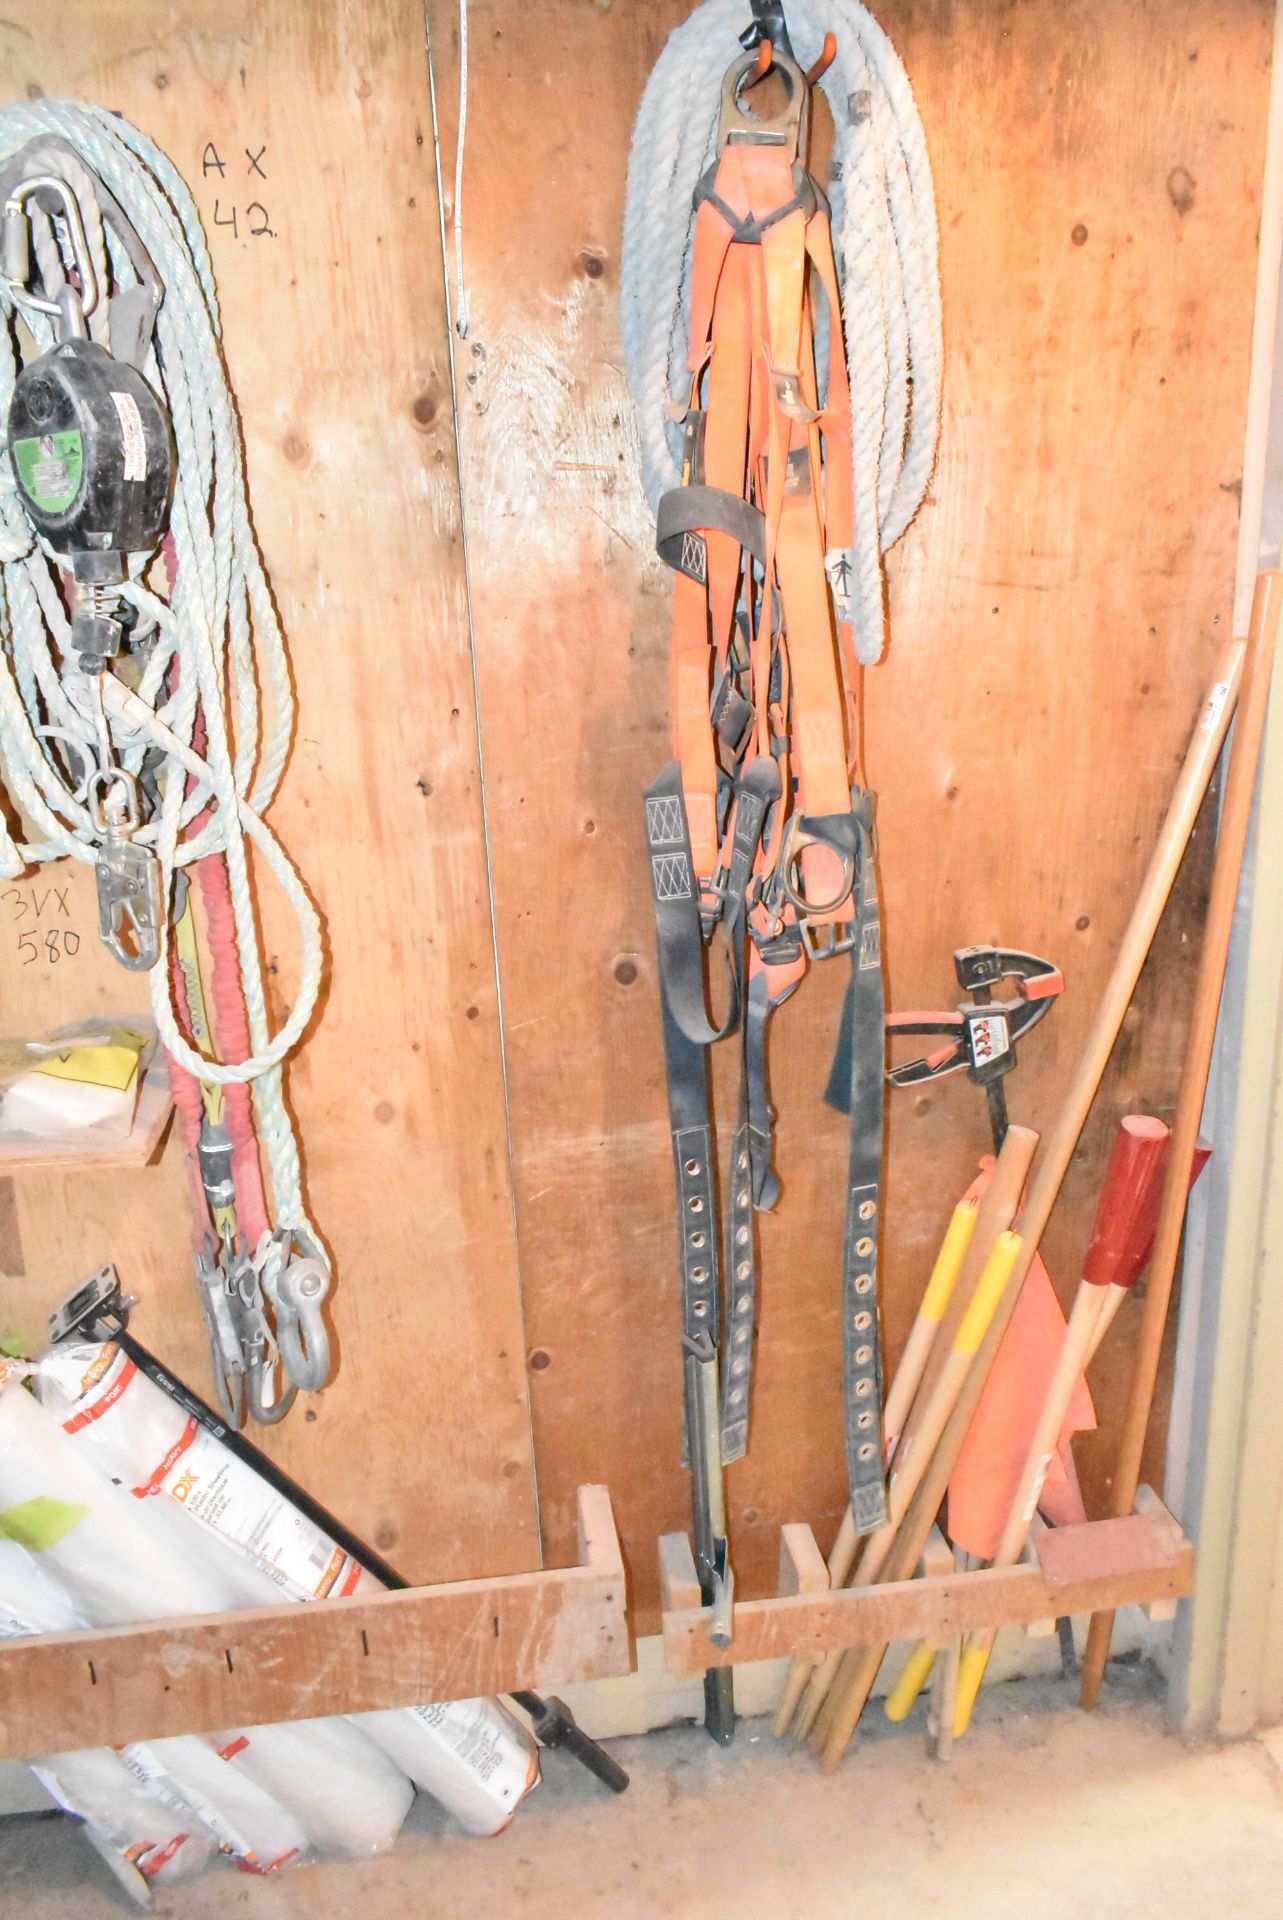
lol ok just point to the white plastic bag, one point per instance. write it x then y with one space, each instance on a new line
122 1560
142 1835
469 1754
145 1842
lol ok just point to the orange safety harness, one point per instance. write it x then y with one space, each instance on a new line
762 824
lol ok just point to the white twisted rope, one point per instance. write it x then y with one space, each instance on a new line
885 239
220 628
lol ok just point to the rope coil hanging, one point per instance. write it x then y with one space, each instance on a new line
203 656
885 241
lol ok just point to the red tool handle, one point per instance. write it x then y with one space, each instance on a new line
1127 1213
1133 1187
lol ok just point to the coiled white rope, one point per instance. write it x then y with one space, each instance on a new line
885 240
219 629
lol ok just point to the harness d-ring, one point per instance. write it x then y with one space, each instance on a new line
796 841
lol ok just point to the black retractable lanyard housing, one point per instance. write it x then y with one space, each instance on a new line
92 455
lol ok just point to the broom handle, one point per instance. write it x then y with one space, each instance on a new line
1240 781
1178 823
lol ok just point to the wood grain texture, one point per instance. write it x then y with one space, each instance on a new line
293 1662
1054 613
1140 1558
336 342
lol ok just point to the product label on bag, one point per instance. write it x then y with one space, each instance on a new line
223 1493
229 1498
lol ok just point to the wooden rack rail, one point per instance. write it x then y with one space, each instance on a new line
289 1662
1144 1559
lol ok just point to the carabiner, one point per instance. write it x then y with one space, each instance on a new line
131 902
17 250
226 1355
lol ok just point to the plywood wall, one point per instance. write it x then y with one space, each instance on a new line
1054 610
315 123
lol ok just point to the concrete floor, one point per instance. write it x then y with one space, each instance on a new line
1043 1813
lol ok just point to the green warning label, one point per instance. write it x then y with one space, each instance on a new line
49 468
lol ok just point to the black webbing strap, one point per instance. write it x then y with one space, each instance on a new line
678 935
687 1035
855 1088
685 513
679 946
750 1155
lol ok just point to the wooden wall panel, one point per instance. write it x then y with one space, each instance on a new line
335 333
1055 611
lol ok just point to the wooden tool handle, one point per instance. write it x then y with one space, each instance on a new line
913 1361
1196 771
1236 810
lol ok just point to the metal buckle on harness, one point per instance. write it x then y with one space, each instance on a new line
715 886
821 938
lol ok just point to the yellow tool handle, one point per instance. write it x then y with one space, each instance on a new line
990 1287
949 1260
971 1673
913 1677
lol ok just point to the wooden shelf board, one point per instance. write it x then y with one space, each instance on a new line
295 1661
61 1151
1100 1565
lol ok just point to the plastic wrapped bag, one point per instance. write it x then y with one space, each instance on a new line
144 1835
469 1754
79 1081
121 1561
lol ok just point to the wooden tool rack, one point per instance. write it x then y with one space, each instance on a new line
296 1661
1101 1564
